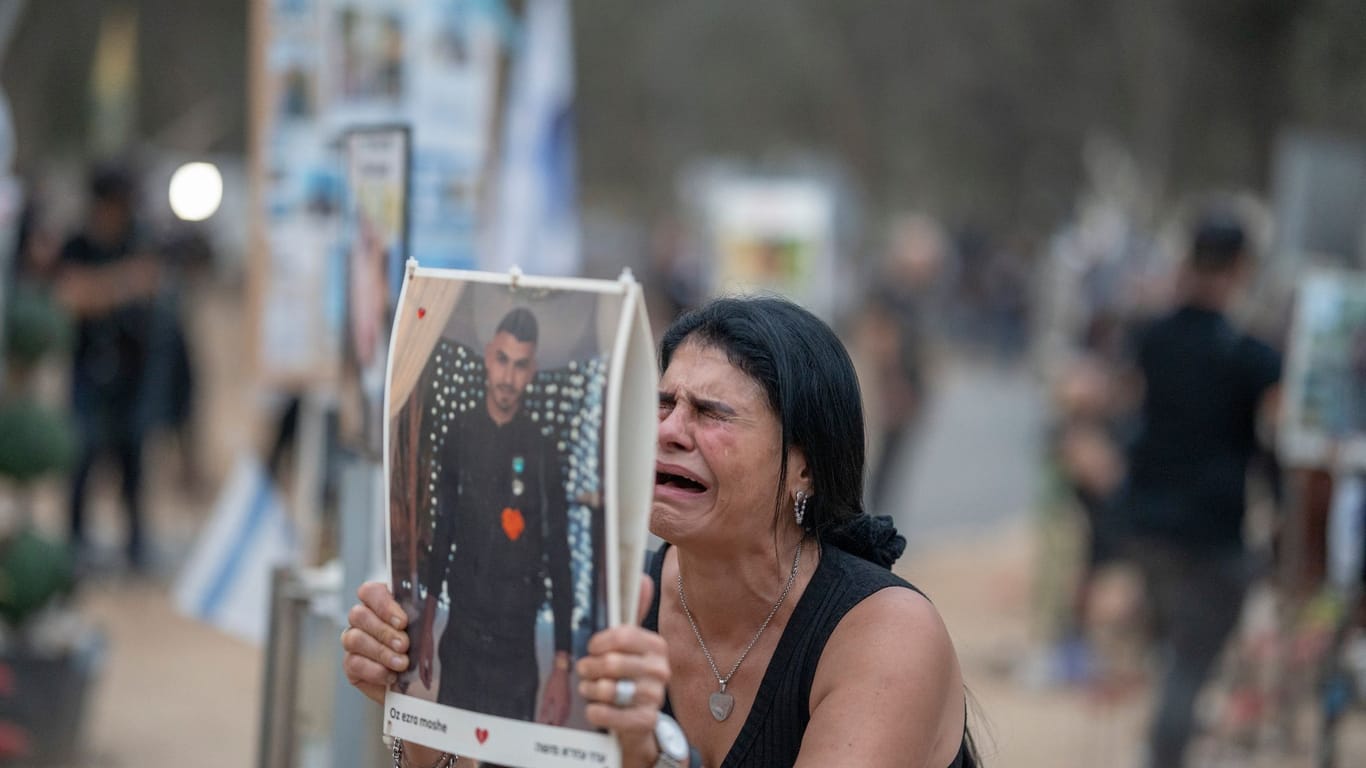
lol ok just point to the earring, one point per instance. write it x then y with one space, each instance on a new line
799 506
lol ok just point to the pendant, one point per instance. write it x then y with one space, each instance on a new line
720 704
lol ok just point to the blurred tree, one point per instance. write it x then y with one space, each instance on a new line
191 75
1327 67
972 111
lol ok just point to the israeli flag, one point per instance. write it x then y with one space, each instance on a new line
226 581
534 223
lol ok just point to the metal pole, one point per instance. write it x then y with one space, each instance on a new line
278 686
356 719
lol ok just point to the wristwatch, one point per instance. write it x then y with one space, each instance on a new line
673 744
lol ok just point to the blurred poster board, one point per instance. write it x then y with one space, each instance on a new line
519 458
1319 192
322 68
294 279
378 177
771 234
434 66
1325 399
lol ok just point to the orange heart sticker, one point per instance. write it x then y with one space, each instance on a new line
513 524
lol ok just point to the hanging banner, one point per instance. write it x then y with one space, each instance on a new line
534 218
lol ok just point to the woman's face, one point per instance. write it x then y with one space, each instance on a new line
719 450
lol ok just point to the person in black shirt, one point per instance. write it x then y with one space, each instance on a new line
501 532
1205 386
108 283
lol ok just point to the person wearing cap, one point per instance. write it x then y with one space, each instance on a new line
501 531
1206 387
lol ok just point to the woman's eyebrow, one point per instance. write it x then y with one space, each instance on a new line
712 406
703 404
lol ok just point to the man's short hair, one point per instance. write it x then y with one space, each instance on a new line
112 183
1219 242
520 323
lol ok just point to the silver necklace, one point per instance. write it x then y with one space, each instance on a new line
721 703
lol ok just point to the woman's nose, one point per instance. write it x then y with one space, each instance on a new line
673 430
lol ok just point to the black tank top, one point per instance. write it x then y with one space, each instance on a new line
772 734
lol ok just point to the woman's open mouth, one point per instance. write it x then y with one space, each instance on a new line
672 477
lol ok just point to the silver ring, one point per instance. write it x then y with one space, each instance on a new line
625 694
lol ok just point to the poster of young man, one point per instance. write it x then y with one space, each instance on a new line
1325 398
377 163
519 457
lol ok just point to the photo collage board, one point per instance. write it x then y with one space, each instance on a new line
1325 399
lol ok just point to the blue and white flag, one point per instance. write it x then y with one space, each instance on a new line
226 581
534 218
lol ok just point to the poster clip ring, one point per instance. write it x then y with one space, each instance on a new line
515 277
627 276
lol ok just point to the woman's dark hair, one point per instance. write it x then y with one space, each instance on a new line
811 386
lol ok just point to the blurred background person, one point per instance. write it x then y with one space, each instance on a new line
1088 457
892 342
107 280
1206 385
171 398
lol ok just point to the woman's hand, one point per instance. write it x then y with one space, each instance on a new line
627 653
376 642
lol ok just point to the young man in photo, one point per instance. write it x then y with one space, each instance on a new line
500 538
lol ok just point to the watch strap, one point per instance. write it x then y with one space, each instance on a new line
664 761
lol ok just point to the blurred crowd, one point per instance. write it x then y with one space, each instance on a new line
1164 387
1175 549
1167 509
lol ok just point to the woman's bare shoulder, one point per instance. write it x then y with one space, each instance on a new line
889 675
897 623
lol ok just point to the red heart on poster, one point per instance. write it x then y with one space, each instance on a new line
513 523
481 734
421 312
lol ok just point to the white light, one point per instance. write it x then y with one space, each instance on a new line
196 191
